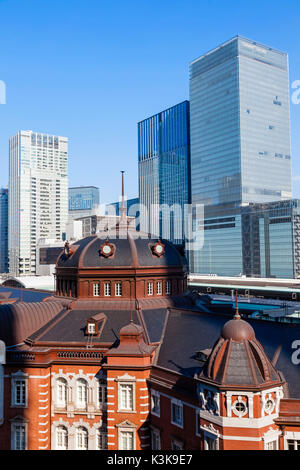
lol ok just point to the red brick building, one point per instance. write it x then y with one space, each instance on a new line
122 358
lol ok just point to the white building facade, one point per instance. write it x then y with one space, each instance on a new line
38 196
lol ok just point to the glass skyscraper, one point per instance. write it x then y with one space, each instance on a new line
3 230
83 198
240 124
164 171
256 240
240 156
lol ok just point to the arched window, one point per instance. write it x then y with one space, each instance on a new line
81 438
61 438
61 392
81 393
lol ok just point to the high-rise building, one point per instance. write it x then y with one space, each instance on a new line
256 240
38 195
164 171
131 205
240 124
3 230
83 200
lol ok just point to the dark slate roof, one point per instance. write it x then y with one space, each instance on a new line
171 257
188 332
70 326
154 321
19 320
129 251
73 261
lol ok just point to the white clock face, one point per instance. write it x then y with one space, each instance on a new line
106 249
159 249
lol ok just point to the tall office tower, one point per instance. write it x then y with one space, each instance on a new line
3 230
256 240
164 169
240 124
131 205
38 195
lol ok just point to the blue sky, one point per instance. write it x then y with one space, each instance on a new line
90 70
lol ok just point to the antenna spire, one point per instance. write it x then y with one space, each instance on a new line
123 209
237 316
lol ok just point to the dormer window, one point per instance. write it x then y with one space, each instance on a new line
91 328
95 324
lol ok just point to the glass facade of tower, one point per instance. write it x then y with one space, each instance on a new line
164 171
256 240
83 198
241 155
240 125
3 230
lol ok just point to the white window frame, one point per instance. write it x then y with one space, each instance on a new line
179 404
150 288
61 381
15 378
155 395
121 386
82 432
295 441
211 437
159 287
91 328
118 289
65 437
96 290
107 289
274 442
80 404
127 431
168 287
290 436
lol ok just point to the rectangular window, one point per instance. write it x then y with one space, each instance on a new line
177 413
96 290
176 445
150 288
102 394
168 287
91 328
107 289
159 288
271 445
155 403
293 445
19 437
126 440
155 439
118 289
126 397
210 443
198 423
19 392
101 440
